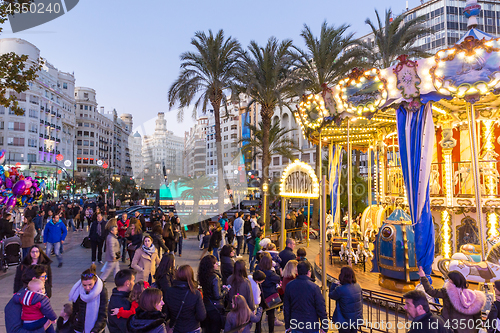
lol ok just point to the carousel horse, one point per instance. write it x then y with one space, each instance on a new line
371 231
483 271
355 230
332 228
345 252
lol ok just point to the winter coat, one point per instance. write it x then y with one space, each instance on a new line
215 239
119 299
286 255
6 229
80 308
164 283
226 268
64 327
238 226
135 240
426 324
145 264
54 233
112 248
32 311
170 242
349 299
147 322
122 227
43 260
244 289
28 236
247 227
213 294
491 324
453 309
93 233
304 303
159 243
38 220
192 312
13 322
269 284
231 321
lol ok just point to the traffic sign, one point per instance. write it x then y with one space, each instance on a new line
68 188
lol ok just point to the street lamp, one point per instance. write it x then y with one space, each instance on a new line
264 205
157 199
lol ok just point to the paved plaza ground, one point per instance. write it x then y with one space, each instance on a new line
77 259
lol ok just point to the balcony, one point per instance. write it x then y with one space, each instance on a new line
53 125
47 123
41 135
53 113
42 121
42 108
58 140
58 115
40 148
46 137
52 138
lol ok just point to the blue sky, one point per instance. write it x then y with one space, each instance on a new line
128 51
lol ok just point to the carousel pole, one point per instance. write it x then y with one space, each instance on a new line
308 219
323 241
283 230
349 195
477 186
369 183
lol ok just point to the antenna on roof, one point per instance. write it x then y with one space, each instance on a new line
406 5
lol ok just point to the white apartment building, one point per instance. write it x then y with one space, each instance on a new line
135 145
45 133
122 129
163 148
94 137
195 149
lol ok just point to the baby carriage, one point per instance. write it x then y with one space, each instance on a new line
10 252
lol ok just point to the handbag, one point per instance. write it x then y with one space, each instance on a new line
86 243
273 300
171 329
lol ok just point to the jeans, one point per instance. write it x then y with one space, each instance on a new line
251 247
97 247
71 224
239 241
216 254
110 266
178 245
123 241
245 244
37 324
270 321
26 251
223 241
57 250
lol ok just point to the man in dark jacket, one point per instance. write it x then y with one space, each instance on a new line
30 211
39 225
124 281
299 223
424 321
141 218
6 226
303 305
288 225
287 254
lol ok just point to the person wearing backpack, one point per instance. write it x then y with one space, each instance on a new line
224 223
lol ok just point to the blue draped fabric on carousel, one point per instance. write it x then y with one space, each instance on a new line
336 155
416 139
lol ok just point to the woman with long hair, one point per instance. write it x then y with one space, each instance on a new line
240 315
460 304
213 294
36 256
168 236
269 287
289 273
165 273
90 302
148 317
156 234
134 238
226 262
27 235
349 298
240 285
146 260
184 303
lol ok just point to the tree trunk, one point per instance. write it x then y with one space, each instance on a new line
266 159
220 165
316 202
358 157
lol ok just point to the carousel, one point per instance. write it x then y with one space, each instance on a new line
431 127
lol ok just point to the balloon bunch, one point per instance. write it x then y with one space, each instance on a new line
15 189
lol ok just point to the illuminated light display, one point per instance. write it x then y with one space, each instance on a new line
299 181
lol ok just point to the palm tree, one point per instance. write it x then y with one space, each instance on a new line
325 62
396 37
199 188
266 76
205 74
279 143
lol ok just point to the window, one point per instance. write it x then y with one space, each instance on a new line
225 129
225 155
85 142
78 142
92 143
85 95
85 124
234 127
225 137
276 160
79 151
15 142
1 125
86 133
33 128
234 136
32 143
234 145
65 85
79 133
81 108
86 107
226 146
31 158
91 151
33 113
16 126
85 152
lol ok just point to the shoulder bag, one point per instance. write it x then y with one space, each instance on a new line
171 329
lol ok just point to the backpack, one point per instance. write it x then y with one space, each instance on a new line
226 225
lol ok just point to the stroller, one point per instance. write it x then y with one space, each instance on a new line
10 252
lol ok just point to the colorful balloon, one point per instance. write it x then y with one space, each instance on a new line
28 183
8 183
19 187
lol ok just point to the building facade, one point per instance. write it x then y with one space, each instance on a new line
195 149
121 162
45 133
135 146
163 148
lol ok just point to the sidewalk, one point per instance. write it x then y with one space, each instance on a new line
76 259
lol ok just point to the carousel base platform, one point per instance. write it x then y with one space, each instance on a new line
370 281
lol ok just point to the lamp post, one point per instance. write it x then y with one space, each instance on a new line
265 187
157 199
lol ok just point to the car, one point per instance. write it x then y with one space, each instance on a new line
126 210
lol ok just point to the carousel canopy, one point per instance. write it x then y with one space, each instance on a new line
477 34
399 215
